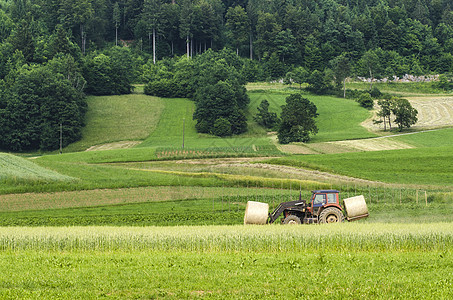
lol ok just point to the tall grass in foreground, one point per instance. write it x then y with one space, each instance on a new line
268 238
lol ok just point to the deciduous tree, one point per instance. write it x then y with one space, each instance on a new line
297 120
405 114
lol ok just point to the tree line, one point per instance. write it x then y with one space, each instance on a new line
406 36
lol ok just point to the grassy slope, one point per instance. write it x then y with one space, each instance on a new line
14 169
339 119
434 138
169 131
118 118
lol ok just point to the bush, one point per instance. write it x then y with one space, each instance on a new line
366 101
238 122
445 82
222 127
375 93
264 117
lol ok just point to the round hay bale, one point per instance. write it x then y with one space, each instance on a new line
256 213
355 207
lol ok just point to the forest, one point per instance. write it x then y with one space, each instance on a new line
413 36
101 47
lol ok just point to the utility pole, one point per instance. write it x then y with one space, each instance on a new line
61 138
183 130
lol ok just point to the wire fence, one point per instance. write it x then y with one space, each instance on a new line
235 198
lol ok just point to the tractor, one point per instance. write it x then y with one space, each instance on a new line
324 207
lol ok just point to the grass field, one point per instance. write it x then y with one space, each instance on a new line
403 250
424 166
434 138
400 88
118 118
374 261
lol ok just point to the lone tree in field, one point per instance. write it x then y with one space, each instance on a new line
385 111
405 114
297 120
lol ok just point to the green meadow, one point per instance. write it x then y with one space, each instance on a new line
423 166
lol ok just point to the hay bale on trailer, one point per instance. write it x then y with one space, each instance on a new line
256 213
356 208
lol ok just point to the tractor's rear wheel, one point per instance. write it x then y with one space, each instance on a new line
292 220
331 215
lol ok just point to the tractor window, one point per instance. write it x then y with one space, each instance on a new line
319 199
331 198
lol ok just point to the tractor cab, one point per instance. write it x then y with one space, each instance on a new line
321 199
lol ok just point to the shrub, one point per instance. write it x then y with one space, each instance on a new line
264 117
222 127
365 100
375 93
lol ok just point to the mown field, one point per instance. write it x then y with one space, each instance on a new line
344 261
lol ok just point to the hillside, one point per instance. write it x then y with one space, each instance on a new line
16 170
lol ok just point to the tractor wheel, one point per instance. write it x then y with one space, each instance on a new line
292 220
331 215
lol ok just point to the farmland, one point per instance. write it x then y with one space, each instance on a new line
343 261
158 221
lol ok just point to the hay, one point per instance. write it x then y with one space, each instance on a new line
256 213
355 207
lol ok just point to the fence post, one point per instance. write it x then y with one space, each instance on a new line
290 190
416 196
426 199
